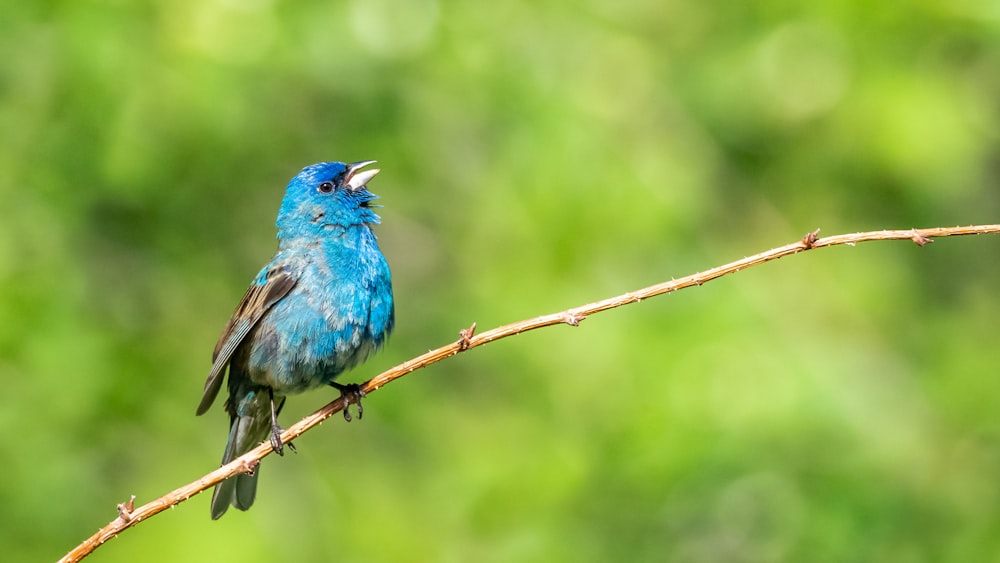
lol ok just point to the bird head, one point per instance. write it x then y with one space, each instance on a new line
326 196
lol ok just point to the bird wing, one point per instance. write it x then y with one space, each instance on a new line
259 298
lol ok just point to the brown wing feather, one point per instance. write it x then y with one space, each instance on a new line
257 300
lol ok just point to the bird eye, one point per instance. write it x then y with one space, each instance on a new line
326 187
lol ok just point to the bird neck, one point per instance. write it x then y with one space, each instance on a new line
331 239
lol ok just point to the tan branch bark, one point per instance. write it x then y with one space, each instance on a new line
129 517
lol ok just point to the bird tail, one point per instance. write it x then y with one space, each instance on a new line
245 432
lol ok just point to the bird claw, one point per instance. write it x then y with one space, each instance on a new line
277 445
352 394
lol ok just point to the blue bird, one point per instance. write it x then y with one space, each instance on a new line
321 306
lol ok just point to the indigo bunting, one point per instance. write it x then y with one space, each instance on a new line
321 306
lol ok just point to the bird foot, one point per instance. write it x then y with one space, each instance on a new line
352 394
276 444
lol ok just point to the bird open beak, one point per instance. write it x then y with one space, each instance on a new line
356 178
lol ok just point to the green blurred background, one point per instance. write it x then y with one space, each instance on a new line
839 405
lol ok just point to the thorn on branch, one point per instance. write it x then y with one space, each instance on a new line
466 337
125 509
249 467
810 239
573 319
920 239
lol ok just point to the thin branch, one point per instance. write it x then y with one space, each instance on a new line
129 517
